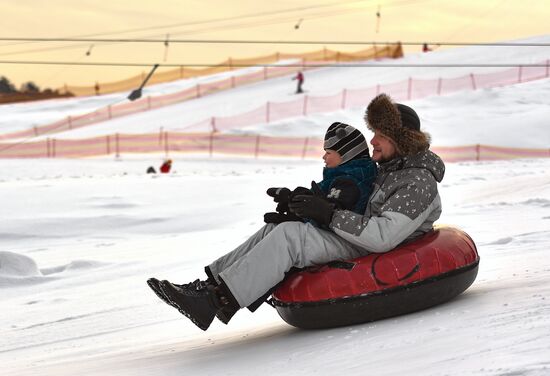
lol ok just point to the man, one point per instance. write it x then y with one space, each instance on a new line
404 205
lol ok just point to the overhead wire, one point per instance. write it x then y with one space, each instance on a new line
312 65
252 23
260 41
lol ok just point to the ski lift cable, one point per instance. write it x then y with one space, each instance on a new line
257 41
297 65
222 19
225 27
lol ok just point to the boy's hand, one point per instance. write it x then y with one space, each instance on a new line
279 194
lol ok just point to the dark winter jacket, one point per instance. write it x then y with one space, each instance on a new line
349 185
404 205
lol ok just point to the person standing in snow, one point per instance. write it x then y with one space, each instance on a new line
404 205
166 166
300 78
347 177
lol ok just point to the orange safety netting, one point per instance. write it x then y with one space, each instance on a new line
383 51
227 144
170 143
302 106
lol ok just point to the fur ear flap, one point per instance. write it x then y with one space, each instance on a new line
411 142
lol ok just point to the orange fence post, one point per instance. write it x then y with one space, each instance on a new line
257 147
473 81
108 143
478 152
109 112
439 84
48 147
117 145
409 89
198 90
547 67
267 112
211 144
304 150
520 71
181 71
69 120
166 148
53 148
344 95
213 124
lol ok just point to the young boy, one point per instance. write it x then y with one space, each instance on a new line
347 177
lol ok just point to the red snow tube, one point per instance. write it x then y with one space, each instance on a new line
420 274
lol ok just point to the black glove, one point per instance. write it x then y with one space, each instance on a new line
312 207
274 217
300 191
279 194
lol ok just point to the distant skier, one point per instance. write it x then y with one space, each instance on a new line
300 78
425 48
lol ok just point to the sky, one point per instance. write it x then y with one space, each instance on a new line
354 20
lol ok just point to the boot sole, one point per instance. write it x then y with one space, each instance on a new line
154 284
177 303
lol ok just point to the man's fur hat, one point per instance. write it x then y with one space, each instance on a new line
398 122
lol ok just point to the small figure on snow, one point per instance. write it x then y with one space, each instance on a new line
425 48
403 206
300 78
166 166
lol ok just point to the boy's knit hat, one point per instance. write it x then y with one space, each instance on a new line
346 140
398 122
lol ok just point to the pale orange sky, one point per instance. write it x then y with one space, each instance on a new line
323 20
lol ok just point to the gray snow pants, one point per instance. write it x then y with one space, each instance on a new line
261 262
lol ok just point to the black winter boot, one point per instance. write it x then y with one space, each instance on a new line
197 300
154 284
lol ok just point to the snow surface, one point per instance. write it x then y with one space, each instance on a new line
79 238
463 112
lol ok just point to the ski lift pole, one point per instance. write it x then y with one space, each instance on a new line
136 94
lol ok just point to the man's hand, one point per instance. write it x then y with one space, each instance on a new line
312 207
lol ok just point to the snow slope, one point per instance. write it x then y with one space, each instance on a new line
79 238
323 82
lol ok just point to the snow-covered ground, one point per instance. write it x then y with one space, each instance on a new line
464 112
79 238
